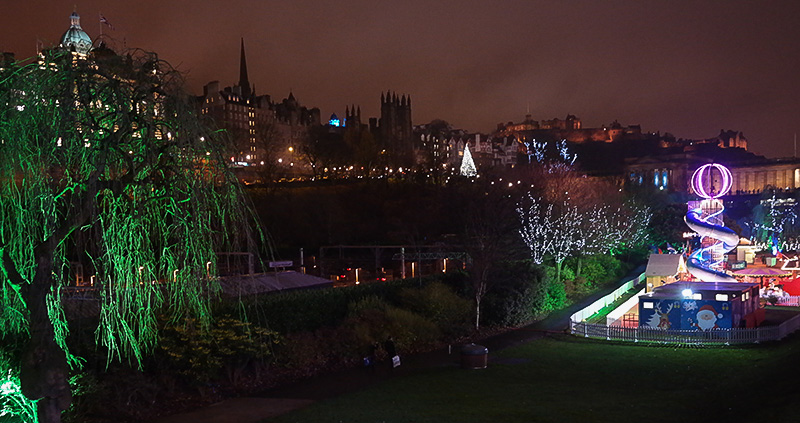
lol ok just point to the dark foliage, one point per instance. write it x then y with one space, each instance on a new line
518 294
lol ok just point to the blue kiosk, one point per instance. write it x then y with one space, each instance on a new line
698 305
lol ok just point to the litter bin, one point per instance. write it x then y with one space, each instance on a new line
474 356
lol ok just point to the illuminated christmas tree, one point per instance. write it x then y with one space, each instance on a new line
467 165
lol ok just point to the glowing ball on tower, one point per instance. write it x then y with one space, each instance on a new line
705 218
699 181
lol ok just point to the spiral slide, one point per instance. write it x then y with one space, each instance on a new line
726 236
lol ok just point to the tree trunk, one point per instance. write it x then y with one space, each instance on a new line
558 270
578 271
480 286
44 371
477 313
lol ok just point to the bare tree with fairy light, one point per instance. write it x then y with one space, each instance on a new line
575 215
104 162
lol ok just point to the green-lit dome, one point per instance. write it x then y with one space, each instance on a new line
75 39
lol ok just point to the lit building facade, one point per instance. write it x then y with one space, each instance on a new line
264 136
241 113
672 173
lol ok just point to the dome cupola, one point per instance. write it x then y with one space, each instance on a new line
75 39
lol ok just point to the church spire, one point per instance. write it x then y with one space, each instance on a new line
244 83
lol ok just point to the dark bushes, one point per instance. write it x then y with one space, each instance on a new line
519 292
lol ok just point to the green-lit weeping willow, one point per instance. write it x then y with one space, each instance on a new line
105 163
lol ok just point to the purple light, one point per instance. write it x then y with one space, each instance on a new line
698 184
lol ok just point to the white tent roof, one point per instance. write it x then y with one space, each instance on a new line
269 282
665 265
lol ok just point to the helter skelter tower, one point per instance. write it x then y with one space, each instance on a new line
705 217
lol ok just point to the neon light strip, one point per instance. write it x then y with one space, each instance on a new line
698 182
713 249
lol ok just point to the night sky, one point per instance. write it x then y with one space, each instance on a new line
686 67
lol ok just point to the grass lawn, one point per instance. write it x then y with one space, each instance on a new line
568 379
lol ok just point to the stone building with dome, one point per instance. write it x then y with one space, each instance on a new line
75 39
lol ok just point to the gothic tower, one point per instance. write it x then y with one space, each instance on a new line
353 117
396 128
244 83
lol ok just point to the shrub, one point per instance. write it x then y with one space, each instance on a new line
566 271
596 270
200 356
12 400
594 273
517 294
371 302
555 296
347 344
439 304
307 353
308 310
615 267
577 287
411 331
408 329
458 281
297 311
85 387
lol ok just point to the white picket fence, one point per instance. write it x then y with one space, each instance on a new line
789 301
616 332
692 337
